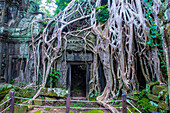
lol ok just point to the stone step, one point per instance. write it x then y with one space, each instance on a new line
78 98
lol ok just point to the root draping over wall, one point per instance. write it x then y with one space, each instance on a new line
120 40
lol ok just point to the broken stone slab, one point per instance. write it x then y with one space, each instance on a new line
157 88
150 86
53 92
26 93
153 97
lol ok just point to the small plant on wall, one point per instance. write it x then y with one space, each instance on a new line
54 76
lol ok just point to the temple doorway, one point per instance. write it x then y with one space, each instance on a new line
78 80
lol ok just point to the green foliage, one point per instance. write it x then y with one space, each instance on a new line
94 95
61 5
146 106
144 103
48 1
102 14
50 5
12 81
54 76
155 38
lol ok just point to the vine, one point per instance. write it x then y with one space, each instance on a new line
155 38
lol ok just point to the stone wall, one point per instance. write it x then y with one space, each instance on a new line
16 58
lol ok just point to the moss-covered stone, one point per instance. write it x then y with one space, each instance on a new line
48 102
38 102
5 89
53 92
150 86
154 83
16 88
153 97
26 93
3 100
157 88
20 109
163 92
71 111
135 98
162 105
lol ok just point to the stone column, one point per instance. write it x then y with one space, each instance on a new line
10 69
1 55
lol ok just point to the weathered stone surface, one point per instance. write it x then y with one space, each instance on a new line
4 89
153 83
157 88
150 86
53 92
48 102
38 102
132 97
153 97
20 109
163 92
27 93
74 56
162 105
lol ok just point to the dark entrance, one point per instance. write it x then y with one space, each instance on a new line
78 80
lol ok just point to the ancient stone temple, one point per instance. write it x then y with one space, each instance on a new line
16 55
15 39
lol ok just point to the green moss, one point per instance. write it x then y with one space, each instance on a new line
27 93
4 99
71 112
134 97
94 111
37 102
163 92
16 88
53 92
157 88
162 105
37 112
47 109
153 97
154 83
4 90
20 109
146 106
